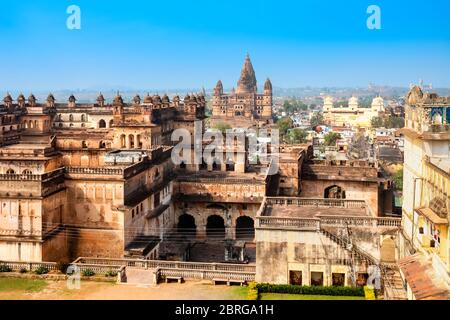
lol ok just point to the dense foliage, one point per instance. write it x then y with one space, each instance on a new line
5 268
293 105
316 120
311 290
331 138
41 270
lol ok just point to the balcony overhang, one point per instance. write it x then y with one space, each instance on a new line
432 216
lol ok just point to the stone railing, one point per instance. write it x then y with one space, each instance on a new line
312 202
153 264
289 223
205 274
325 221
360 221
223 179
29 266
98 269
99 171
17 233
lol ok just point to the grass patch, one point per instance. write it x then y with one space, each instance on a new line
17 284
239 292
286 296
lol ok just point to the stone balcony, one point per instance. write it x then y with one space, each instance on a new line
313 214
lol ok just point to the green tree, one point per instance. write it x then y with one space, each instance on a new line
316 119
331 138
394 122
284 124
297 136
398 180
377 122
222 127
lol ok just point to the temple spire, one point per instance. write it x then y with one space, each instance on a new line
247 81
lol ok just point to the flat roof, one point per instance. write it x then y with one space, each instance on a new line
292 211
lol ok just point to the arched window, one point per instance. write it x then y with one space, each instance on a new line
131 141
123 142
60 125
71 118
10 171
84 145
102 145
102 124
27 172
83 118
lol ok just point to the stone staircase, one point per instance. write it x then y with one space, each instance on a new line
392 283
394 288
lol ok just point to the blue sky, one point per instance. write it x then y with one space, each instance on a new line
190 44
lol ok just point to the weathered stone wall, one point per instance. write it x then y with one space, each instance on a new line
94 203
281 251
95 243
354 190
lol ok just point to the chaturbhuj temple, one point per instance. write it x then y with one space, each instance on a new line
243 107
94 183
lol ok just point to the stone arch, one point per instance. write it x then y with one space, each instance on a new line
186 225
27 172
131 141
102 124
387 250
334 192
245 228
215 227
123 142
10 171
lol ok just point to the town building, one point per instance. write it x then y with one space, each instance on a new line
243 107
425 247
352 115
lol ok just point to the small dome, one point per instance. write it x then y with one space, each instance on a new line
268 85
50 98
187 98
156 99
32 99
137 99
353 100
100 98
176 98
148 99
21 98
118 99
165 99
328 100
8 98
72 98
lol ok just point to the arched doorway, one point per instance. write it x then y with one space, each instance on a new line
334 192
387 253
102 124
186 226
245 228
215 227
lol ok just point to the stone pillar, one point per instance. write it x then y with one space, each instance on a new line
136 142
201 232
